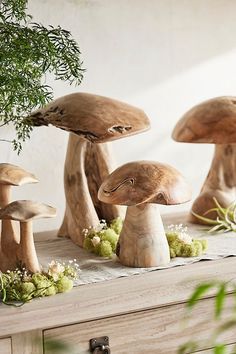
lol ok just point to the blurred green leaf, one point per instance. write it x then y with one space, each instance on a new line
220 349
54 346
220 299
188 347
225 326
199 292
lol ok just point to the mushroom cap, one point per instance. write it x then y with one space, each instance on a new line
144 182
96 118
213 121
26 210
15 176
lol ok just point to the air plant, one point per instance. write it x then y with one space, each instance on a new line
225 220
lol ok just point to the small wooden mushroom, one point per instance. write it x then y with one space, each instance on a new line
10 175
140 185
25 211
93 121
213 122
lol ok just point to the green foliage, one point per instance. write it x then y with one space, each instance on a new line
225 220
188 347
19 286
220 289
58 347
102 240
220 299
220 349
28 51
199 292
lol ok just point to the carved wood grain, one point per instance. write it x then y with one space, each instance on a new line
213 122
86 166
142 242
220 183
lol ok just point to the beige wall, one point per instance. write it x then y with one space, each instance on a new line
161 55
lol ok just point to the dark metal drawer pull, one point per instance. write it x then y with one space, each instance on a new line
99 345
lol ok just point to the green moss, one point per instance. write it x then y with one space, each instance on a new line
103 241
105 249
179 248
110 236
64 284
88 245
52 290
117 225
27 288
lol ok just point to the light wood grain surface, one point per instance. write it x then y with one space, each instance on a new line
27 343
160 331
5 346
115 297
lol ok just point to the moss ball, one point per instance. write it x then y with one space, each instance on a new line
117 225
111 236
64 284
88 245
52 290
179 248
27 288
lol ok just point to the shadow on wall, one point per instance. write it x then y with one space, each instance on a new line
137 44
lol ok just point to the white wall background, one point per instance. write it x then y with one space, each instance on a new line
161 55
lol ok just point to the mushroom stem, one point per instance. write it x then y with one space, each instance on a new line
28 257
5 195
86 166
220 182
9 237
142 241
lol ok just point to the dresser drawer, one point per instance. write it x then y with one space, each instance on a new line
5 346
154 331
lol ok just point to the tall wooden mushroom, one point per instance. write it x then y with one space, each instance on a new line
140 185
10 175
213 122
93 121
25 211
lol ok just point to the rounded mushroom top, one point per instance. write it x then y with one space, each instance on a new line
26 210
213 121
96 118
144 182
15 176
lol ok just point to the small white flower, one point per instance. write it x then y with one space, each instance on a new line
185 238
95 240
54 269
85 232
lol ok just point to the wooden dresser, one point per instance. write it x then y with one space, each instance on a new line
139 314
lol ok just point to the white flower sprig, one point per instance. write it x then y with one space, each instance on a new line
182 233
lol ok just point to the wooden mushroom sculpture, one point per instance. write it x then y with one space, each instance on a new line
10 175
92 121
25 211
141 185
213 122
